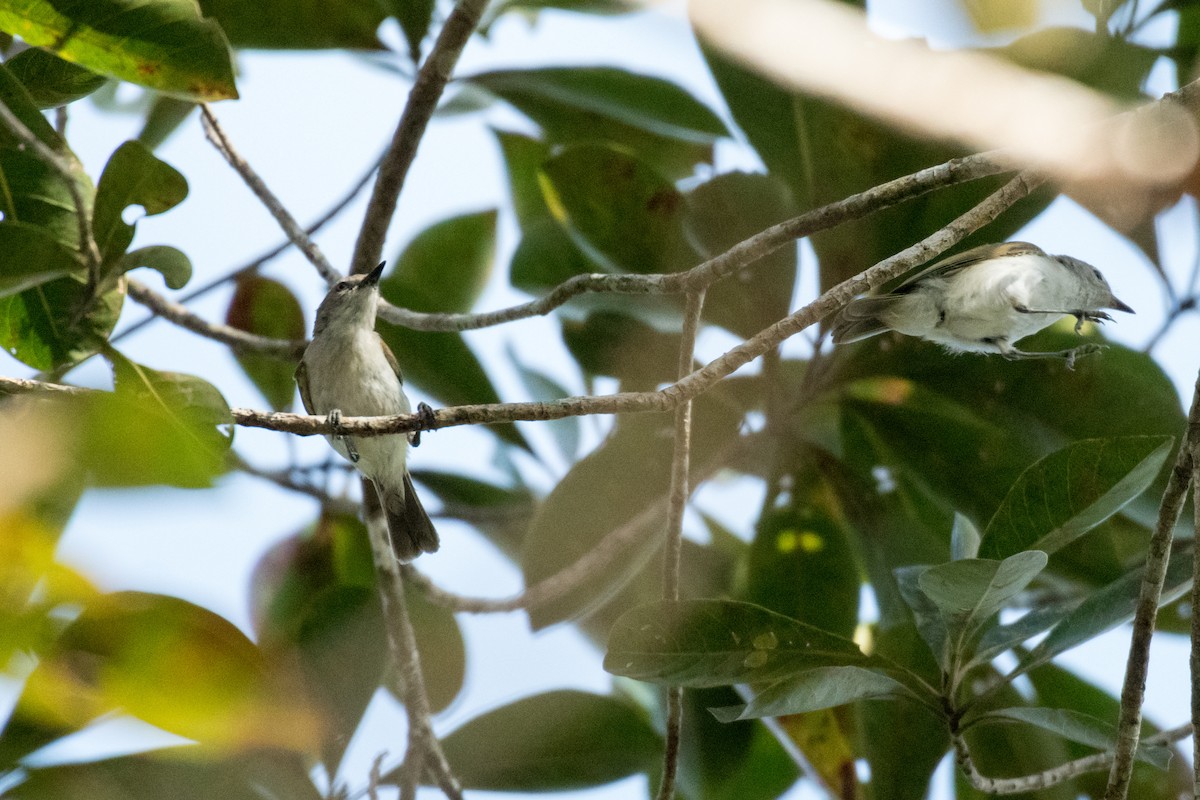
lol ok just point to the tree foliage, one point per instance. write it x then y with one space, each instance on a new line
981 503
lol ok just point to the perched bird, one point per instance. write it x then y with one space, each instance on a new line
984 300
348 369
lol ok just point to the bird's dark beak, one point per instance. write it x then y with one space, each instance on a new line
1119 306
373 276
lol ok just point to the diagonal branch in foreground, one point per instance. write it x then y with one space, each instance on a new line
696 383
418 109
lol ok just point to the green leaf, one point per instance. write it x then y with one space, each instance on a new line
523 159
655 118
930 622
1106 608
610 343
1005 637
165 116
545 257
30 256
964 539
445 267
176 666
268 308
181 773
132 176
50 81
618 209
699 643
813 690
624 481
157 427
1068 493
1111 64
557 741
414 17
172 264
501 513
163 44
58 323
542 388
724 211
970 591
1077 727
292 25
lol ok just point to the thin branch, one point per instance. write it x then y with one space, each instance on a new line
240 341
257 264
422 100
15 386
696 383
680 490
1055 775
291 228
740 256
423 744
1129 723
83 209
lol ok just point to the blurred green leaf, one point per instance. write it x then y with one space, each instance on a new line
174 665
132 176
292 25
724 211
813 690
620 211
165 44
543 388
997 15
1077 727
1068 493
442 649
29 256
1108 607
172 264
523 159
664 124
51 81
545 257
268 308
610 343
181 773
500 512
414 17
969 592
165 116
445 267
698 643
156 428
1111 64
567 740
624 481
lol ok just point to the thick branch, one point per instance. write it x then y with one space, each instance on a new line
291 228
1133 692
697 382
422 100
240 341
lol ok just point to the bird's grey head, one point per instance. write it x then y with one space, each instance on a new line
1094 289
351 303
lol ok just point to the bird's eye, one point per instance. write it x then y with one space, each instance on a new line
1096 272
341 287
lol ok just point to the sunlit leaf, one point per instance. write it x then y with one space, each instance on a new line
268 308
163 44
568 740
1070 492
172 264
719 642
132 176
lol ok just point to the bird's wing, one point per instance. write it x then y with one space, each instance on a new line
391 359
302 382
956 263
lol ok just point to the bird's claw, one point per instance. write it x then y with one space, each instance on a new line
425 414
335 422
1089 316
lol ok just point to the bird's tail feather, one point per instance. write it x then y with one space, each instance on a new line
861 318
411 530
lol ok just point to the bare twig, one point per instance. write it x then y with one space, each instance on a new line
1055 775
1132 693
694 384
423 744
240 341
422 100
257 264
680 490
14 386
291 228
83 209
742 255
